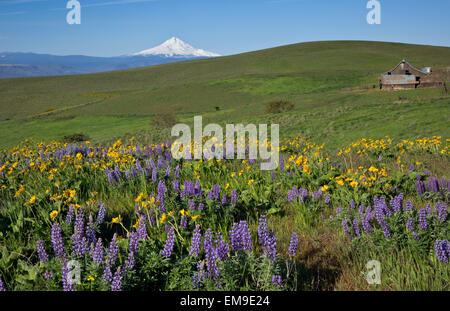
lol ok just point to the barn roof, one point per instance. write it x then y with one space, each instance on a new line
409 64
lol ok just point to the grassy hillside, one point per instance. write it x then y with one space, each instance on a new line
316 77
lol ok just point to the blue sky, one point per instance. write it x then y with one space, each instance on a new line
117 27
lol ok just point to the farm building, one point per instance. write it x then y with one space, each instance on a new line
406 76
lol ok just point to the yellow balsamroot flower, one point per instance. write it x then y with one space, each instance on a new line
251 181
324 188
53 214
340 182
3 187
31 201
91 278
19 192
117 219
354 184
306 169
163 218
137 224
139 198
373 169
170 213
184 213
195 217
227 186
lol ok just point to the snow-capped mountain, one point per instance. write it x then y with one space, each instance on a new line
175 47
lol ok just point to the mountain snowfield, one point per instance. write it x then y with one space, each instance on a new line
175 47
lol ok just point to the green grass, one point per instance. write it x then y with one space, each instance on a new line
310 75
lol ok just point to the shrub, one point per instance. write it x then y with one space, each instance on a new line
279 106
165 120
75 138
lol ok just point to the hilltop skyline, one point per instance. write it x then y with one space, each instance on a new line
118 27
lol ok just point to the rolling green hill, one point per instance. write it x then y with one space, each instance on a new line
329 83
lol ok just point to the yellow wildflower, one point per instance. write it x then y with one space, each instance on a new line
117 219
53 214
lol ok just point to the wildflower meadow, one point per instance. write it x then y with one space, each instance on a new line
126 216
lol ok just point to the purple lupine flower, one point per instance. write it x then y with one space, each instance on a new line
352 204
338 210
442 249
177 171
183 222
129 263
176 185
133 243
2 286
113 250
67 283
222 247
233 197
141 229
262 230
191 204
281 163
101 213
43 257
198 188
201 206
154 175
428 209
361 209
48 275
408 206
240 236
415 236
216 192
271 247
276 280
293 245
345 227
366 224
196 241
423 219
292 194
246 236
327 199
57 242
441 209
211 256
420 187
170 241
411 167
139 167
79 241
107 274
98 254
134 173
409 224
224 199
356 227
315 196
116 284
433 184
90 231
70 215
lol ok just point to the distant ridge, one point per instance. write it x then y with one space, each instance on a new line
14 65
